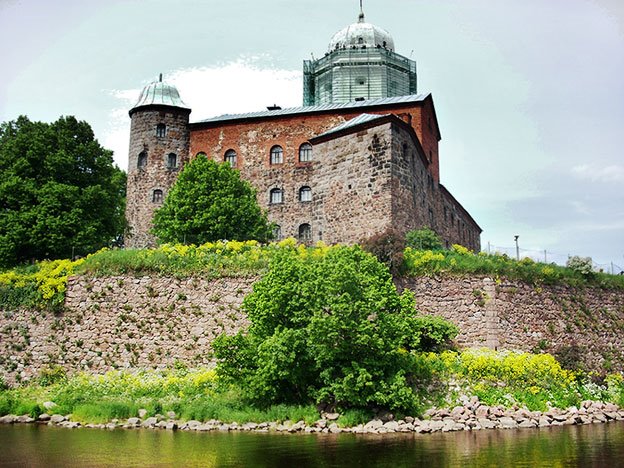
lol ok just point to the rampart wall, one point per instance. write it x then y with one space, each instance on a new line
154 322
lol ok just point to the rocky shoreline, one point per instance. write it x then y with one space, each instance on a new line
472 416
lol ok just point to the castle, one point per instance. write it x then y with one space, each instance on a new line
358 158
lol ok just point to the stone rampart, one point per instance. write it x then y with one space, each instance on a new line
154 322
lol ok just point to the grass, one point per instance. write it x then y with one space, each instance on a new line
534 381
42 285
460 261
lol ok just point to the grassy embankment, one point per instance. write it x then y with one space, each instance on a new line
534 381
497 378
43 284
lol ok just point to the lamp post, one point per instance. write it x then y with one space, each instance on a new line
517 248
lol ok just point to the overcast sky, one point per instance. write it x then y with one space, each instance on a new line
529 93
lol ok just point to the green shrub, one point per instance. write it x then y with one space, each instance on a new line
583 265
423 239
388 247
328 325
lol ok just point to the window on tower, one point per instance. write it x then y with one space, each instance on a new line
172 161
305 152
277 232
157 196
142 160
161 130
277 155
230 157
305 232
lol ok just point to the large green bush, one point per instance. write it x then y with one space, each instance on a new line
328 325
208 202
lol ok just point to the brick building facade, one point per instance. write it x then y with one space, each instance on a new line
337 172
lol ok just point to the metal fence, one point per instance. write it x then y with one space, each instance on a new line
546 256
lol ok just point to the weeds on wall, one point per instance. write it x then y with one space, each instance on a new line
37 286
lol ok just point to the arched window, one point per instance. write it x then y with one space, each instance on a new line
305 152
201 153
305 194
142 160
277 232
172 161
305 232
161 130
157 196
276 196
277 155
230 157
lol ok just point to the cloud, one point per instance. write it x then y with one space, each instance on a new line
244 85
606 174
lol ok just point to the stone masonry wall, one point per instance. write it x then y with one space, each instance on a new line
515 315
152 322
123 322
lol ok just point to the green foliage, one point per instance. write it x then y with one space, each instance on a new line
328 325
388 247
423 239
460 261
209 202
59 191
41 285
51 374
583 265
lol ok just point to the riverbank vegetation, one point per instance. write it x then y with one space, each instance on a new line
536 382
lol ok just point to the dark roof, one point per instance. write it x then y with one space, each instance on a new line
321 108
360 119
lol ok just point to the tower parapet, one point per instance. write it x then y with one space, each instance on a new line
159 147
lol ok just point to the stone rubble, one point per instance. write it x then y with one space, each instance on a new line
469 417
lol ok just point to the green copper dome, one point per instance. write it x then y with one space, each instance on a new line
159 93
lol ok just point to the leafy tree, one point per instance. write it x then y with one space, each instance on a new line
209 202
328 325
423 239
59 191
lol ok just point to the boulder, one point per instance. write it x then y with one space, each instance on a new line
8 419
142 413
391 426
150 422
486 423
24 418
43 417
507 423
373 425
133 421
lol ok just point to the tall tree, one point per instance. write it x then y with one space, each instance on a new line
208 202
59 191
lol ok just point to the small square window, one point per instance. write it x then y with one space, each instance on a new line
161 130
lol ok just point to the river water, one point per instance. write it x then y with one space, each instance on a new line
599 445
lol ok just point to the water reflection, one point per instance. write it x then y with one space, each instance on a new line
591 445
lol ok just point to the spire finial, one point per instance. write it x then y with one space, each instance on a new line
361 17
160 78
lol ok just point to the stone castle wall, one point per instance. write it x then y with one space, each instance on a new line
152 322
515 315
